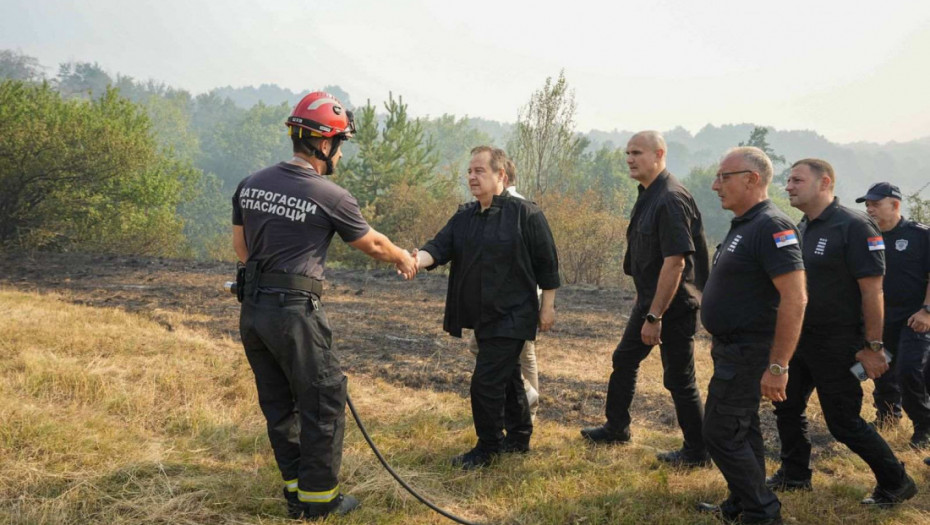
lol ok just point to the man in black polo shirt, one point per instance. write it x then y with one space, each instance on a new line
753 306
844 258
667 257
501 249
284 218
907 312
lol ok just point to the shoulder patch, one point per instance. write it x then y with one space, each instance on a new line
785 238
876 243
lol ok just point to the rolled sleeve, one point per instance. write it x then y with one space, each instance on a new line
674 229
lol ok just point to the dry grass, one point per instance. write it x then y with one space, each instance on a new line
113 417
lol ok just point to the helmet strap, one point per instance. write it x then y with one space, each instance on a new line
335 142
319 155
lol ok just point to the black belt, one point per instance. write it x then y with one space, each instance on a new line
292 282
744 337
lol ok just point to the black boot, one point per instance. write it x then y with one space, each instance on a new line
294 509
474 459
605 434
780 482
681 459
884 498
342 505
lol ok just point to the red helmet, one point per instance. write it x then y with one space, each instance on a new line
323 115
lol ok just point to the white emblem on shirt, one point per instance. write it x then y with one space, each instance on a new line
900 245
732 247
821 246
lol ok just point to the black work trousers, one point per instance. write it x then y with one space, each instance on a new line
731 423
301 389
677 350
498 399
822 361
905 383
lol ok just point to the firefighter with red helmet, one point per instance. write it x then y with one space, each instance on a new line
284 217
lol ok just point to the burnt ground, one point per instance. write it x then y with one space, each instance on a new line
383 326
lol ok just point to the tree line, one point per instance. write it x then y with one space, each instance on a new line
95 163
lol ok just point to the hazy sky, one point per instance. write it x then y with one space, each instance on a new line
849 73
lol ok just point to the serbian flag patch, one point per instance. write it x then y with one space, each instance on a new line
785 238
876 243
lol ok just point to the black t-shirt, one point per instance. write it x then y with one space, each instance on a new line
289 215
740 297
907 258
666 222
840 246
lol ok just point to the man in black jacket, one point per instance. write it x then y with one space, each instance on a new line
500 248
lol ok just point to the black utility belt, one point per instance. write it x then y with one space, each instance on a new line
249 280
291 282
282 299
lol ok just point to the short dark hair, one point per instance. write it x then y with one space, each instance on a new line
819 167
499 157
300 145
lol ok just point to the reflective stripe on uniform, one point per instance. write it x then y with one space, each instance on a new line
318 497
291 485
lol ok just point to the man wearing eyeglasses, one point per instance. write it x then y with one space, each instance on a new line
845 261
667 257
753 306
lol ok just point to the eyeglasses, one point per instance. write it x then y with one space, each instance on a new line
722 177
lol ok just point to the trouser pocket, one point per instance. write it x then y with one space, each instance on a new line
331 394
733 421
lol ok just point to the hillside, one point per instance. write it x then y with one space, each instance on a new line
857 165
127 399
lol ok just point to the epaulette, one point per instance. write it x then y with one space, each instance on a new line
920 225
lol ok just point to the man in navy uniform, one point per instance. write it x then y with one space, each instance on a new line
844 257
753 307
907 312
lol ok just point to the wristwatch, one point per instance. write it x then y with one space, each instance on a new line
651 318
777 370
876 346
926 308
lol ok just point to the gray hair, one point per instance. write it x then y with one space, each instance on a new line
498 157
757 159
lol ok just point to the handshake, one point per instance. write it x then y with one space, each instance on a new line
410 263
